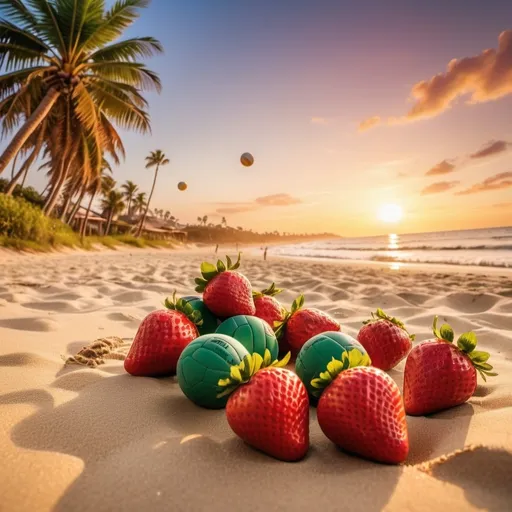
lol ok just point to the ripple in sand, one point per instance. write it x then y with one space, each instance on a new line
57 306
24 359
30 324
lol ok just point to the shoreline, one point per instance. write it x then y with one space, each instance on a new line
253 254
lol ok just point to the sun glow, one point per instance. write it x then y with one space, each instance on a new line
390 213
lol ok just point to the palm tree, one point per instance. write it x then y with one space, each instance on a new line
167 215
112 204
224 222
107 185
205 219
200 220
129 190
64 63
154 159
139 203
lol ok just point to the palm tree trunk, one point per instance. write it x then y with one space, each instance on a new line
149 201
28 128
65 207
110 216
130 207
84 225
76 206
25 176
14 165
14 181
54 196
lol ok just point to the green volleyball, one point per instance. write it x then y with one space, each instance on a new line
252 332
317 352
209 319
203 362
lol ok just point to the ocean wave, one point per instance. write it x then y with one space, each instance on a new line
504 247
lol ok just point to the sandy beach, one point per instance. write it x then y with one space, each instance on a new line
78 438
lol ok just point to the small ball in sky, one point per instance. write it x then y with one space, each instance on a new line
247 159
182 186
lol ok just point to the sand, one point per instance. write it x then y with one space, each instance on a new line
75 438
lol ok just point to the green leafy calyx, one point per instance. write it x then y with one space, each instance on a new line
349 359
271 291
467 344
380 315
243 372
209 271
184 307
279 327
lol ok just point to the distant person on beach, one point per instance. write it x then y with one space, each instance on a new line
265 254
216 248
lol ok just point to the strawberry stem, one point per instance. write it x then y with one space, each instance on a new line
210 271
271 291
380 315
243 372
184 307
349 359
279 327
466 343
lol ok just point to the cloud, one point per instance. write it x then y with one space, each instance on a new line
493 147
227 208
497 182
278 200
444 167
441 186
502 205
484 77
319 120
369 123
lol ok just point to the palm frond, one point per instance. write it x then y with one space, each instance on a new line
128 50
116 20
17 11
85 106
131 73
48 23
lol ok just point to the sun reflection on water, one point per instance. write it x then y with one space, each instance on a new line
393 242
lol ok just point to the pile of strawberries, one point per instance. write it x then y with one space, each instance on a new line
360 407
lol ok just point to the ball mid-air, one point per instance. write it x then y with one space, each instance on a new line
182 186
247 159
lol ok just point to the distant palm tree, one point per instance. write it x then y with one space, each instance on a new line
129 191
205 219
167 215
154 159
224 222
107 185
139 203
112 204
200 220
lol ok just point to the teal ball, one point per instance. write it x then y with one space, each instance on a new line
318 351
203 362
253 333
209 324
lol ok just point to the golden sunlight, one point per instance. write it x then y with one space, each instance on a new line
390 213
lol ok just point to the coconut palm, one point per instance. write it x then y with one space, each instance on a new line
107 185
64 63
224 222
112 205
154 159
129 191
139 203
200 220
205 219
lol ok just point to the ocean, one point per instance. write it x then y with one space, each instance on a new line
483 247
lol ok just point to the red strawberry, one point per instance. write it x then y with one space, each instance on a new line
361 409
301 324
268 407
269 308
161 338
226 293
386 340
439 375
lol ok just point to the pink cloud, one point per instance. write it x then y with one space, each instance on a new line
437 188
497 182
443 167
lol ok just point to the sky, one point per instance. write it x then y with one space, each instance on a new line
346 106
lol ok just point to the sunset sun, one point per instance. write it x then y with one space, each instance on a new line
390 213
